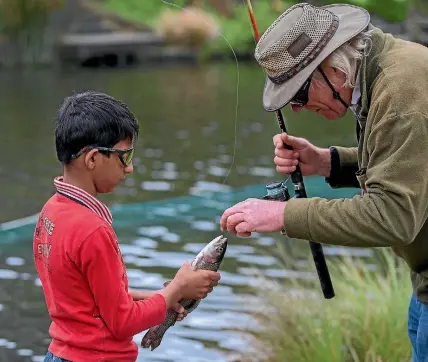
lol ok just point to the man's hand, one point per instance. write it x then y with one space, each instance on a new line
312 160
253 215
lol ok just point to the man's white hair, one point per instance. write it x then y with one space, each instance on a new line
347 57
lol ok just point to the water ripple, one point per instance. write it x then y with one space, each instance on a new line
15 261
157 186
139 279
8 274
7 344
152 231
203 225
146 243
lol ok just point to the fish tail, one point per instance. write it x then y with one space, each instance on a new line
151 339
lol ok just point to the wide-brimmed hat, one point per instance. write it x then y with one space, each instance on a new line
298 41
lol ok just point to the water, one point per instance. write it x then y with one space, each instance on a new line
169 208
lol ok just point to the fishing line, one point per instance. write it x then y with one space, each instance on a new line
237 83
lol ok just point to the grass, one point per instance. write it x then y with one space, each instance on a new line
365 322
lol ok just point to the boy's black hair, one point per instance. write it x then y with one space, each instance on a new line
92 118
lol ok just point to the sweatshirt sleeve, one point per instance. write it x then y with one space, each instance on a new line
394 207
100 261
344 165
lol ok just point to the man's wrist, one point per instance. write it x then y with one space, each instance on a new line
325 162
282 229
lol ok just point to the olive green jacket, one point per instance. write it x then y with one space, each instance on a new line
391 162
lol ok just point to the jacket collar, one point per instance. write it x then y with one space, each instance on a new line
82 197
370 67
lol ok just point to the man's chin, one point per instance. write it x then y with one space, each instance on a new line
333 116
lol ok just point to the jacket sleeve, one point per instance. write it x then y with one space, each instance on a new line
394 207
344 165
100 261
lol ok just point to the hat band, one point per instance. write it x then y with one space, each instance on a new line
311 56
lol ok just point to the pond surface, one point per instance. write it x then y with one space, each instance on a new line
194 159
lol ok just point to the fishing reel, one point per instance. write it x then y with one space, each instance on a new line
277 191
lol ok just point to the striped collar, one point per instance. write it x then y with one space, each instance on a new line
84 198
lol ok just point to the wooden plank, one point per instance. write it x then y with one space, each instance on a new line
110 39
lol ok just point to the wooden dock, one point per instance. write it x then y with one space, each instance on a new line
118 49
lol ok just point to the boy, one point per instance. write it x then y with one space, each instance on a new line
94 316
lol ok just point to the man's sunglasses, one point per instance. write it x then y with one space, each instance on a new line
125 156
302 96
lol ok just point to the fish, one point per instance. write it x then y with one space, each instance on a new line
209 258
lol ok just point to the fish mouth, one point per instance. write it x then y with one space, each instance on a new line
220 243
219 240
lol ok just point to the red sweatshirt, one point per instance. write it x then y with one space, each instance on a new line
84 280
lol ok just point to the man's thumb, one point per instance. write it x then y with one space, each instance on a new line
294 142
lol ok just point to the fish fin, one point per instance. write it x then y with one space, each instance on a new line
151 339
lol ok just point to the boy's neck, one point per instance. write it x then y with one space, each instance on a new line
80 181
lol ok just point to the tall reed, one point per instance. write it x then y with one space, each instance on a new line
365 322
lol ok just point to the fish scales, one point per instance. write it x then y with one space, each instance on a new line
209 258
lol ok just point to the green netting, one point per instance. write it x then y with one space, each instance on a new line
181 210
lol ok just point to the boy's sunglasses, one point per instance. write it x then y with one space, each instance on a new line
302 96
125 156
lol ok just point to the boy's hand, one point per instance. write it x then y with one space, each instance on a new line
180 310
195 284
189 284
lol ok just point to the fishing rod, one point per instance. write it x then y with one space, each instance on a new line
278 191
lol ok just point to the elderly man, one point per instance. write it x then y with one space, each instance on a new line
326 60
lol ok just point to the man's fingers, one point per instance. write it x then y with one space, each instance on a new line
226 214
230 211
244 234
277 141
286 170
234 220
295 142
284 162
243 229
288 154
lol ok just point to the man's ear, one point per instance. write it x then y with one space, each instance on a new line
90 158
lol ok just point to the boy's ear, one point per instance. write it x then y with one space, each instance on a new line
90 158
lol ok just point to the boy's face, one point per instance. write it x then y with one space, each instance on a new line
111 171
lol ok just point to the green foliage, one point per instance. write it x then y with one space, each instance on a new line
238 31
145 11
391 10
365 322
